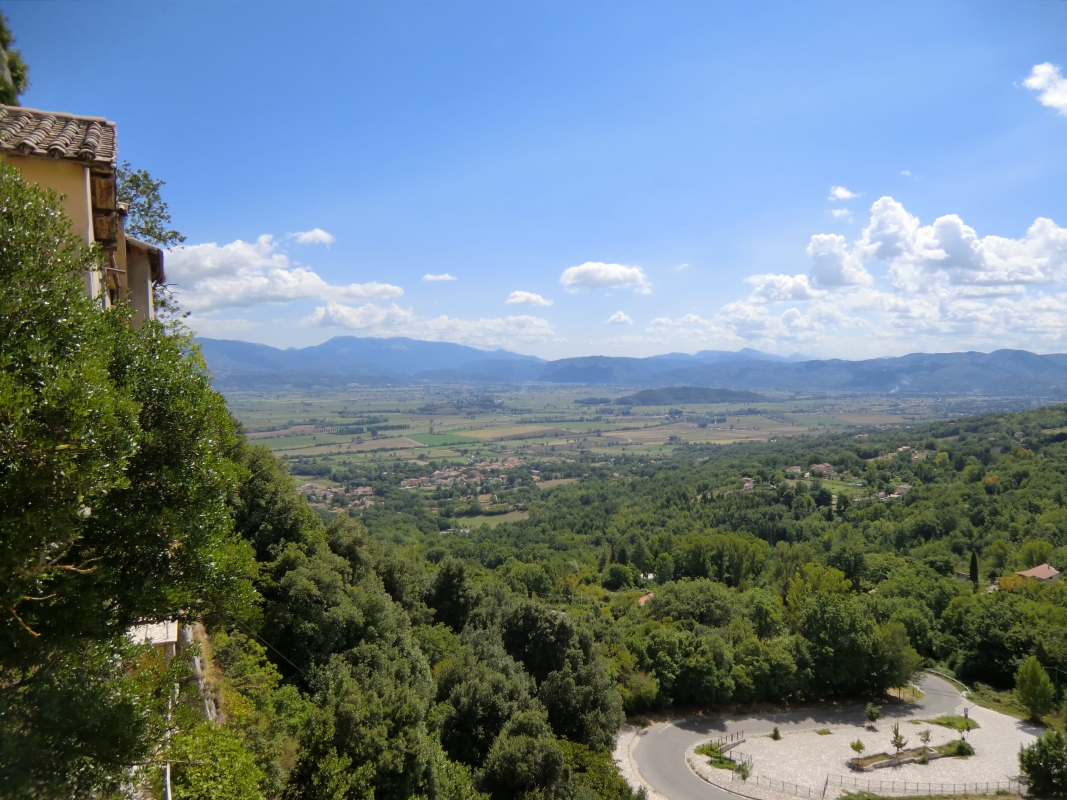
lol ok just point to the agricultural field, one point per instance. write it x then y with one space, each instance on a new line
446 423
471 458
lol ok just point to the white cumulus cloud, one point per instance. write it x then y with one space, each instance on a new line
834 263
211 276
900 286
597 275
443 277
776 288
526 299
841 193
840 212
1051 85
314 236
949 251
396 321
619 318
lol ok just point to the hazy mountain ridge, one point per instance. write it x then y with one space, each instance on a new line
348 359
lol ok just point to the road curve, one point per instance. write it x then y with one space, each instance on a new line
659 753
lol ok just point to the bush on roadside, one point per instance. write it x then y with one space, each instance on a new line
1045 764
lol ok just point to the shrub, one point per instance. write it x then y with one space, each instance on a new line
873 713
956 748
1045 764
775 734
858 746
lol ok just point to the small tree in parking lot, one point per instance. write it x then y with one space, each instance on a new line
873 713
898 741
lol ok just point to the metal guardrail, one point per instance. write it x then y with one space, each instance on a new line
739 758
730 738
918 788
949 678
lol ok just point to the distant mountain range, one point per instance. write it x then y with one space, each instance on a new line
351 359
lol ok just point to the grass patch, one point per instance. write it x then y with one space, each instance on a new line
956 723
1006 703
715 756
441 439
824 731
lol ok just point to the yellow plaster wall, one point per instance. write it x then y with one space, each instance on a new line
67 178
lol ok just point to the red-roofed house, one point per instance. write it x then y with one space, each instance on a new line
1042 572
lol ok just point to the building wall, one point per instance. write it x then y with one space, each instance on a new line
68 178
71 182
140 283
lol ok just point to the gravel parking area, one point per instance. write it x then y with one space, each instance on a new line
805 758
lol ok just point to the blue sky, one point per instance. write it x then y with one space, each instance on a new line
636 178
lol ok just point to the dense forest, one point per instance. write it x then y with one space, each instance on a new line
393 653
407 659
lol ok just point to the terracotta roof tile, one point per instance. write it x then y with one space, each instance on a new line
30 132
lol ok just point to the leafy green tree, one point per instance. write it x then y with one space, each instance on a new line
75 728
364 737
450 594
477 710
842 643
664 568
617 576
583 704
14 74
1035 552
1034 688
148 214
895 661
213 765
538 637
974 569
1045 763
525 761
115 478
851 560
700 600
264 713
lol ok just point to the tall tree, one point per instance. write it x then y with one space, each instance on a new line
1034 689
148 217
974 569
14 74
114 482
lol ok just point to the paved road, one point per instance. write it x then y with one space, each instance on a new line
660 750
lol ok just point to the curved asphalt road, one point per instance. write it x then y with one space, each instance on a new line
659 753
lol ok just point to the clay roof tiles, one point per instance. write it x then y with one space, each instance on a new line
30 132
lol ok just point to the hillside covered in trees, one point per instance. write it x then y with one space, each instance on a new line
393 653
418 659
